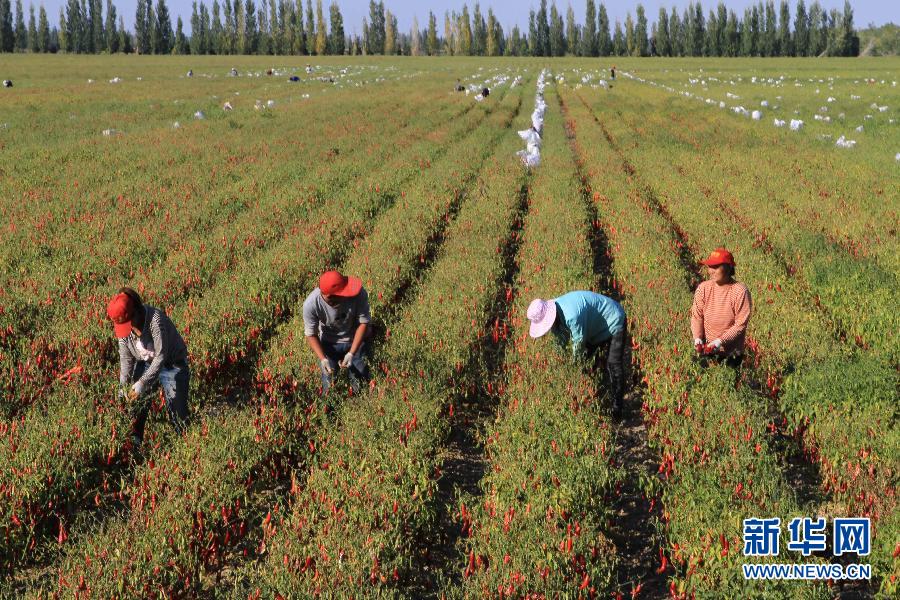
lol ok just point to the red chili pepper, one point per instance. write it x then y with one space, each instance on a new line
636 590
663 562
471 568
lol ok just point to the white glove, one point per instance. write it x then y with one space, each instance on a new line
716 344
348 360
697 341
326 366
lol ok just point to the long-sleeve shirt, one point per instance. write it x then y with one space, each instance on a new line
590 318
159 345
721 312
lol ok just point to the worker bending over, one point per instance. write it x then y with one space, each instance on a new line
586 321
336 324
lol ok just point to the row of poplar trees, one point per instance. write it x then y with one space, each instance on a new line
285 27
760 32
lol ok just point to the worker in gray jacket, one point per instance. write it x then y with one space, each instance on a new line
336 323
151 353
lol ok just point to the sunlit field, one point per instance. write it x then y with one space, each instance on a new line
479 462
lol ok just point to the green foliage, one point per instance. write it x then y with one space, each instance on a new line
819 345
604 39
589 41
226 223
279 28
641 42
557 33
880 41
336 40
376 28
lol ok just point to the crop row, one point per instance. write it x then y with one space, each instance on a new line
848 195
74 112
225 328
72 121
826 383
356 519
54 461
389 258
855 290
195 158
154 548
73 329
710 433
537 528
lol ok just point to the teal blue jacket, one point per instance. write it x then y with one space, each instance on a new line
588 319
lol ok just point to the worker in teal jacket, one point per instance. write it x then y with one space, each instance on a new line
586 321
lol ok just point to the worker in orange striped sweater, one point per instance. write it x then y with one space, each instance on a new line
721 311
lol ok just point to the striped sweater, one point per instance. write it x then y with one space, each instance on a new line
721 312
160 345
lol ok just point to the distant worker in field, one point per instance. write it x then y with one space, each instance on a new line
612 73
336 322
586 321
151 353
721 311
485 92
459 87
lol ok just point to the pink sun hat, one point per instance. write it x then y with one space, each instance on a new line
542 314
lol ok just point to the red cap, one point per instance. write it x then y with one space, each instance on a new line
333 283
719 256
121 311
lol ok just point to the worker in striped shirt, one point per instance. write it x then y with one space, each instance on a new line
586 321
151 353
721 311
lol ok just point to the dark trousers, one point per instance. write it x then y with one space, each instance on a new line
358 371
174 381
615 364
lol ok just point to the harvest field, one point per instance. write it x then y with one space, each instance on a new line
480 462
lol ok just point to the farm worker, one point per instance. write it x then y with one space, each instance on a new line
336 324
586 320
612 73
721 311
459 87
151 352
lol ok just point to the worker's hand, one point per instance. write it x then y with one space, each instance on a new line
326 366
348 360
132 394
698 345
714 346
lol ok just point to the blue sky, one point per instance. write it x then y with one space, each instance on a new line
510 12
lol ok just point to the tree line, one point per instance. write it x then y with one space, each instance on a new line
285 27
